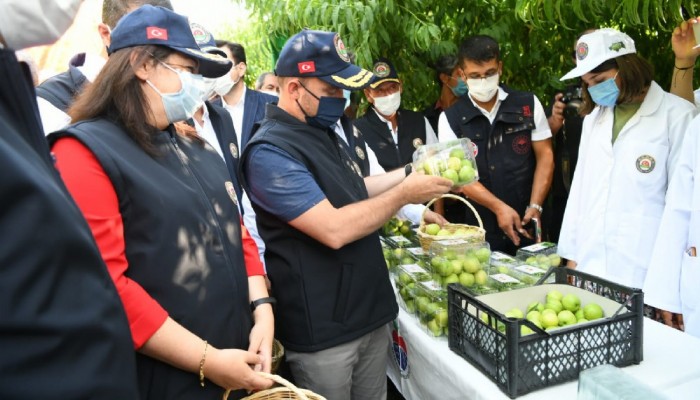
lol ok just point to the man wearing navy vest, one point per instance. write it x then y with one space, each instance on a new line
55 95
512 144
392 132
319 219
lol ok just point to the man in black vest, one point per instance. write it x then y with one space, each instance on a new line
319 219
63 330
393 133
55 95
512 145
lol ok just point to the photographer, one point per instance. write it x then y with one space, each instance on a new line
565 123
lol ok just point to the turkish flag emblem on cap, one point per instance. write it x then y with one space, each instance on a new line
307 67
154 32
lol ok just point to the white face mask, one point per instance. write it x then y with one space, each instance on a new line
270 92
388 105
483 89
27 23
219 86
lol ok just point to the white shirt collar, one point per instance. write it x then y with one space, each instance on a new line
92 66
240 103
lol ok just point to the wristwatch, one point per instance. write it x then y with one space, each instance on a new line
408 169
265 300
535 206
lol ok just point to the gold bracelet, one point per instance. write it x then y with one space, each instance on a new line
201 364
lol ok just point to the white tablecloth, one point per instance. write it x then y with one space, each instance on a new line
671 366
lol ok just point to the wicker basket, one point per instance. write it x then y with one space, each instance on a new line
285 392
475 234
277 355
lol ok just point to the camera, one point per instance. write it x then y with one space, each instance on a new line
573 100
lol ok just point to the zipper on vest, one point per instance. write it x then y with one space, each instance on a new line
219 231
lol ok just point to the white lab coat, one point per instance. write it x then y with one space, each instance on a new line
673 279
613 212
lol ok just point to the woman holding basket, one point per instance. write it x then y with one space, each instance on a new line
162 210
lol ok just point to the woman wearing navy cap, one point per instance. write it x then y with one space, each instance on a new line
162 210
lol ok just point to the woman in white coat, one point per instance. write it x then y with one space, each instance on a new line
674 272
629 146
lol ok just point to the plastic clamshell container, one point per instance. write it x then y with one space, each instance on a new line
431 304
453 160
458 261
543 255
607 382
406 279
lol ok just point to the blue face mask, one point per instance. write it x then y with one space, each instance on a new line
461 89
330 109
181 105
605 93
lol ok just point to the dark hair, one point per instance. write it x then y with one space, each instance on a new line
479 48
444 65
635 75
117 93
114 10
237 51
261 79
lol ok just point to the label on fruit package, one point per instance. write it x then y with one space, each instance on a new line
413 269
416 251
529 269
498 256
432 286
399 239
503 278
453 242
538 247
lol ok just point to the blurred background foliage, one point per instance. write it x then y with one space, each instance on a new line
536 36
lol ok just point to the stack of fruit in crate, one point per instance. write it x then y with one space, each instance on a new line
557 311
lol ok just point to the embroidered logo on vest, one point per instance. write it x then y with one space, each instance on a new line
234 150
359 152
521 144
231 192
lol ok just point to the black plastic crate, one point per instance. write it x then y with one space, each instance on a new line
521 364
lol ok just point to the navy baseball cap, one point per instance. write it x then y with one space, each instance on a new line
322 55
149 25
383 71
205 40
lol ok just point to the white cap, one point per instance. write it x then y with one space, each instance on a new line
597 47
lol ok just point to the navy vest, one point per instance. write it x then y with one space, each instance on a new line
325 297
60 90
378 137
183 242
228 140
63 330
504 157
357 147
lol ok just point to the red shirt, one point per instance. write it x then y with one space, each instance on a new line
93 192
